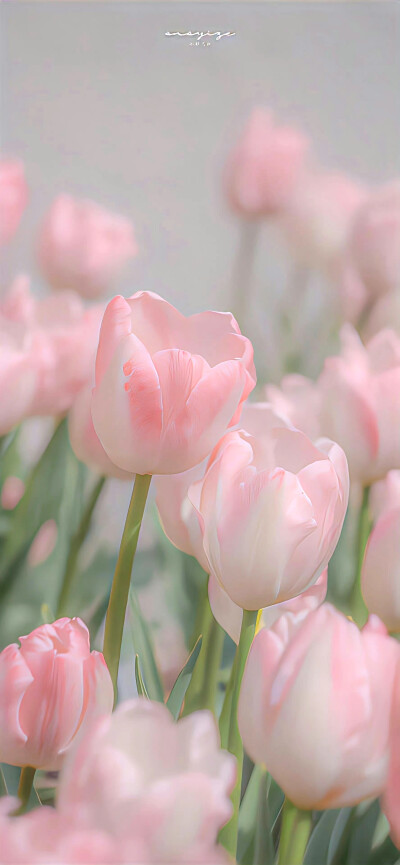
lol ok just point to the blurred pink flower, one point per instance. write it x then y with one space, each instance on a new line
18 375
230 616
319 218
297 399
385 494
43 543
271 507
391 797
264 167
61 336
12 492
140 775
319 722
50 686
83 247
374 244
167 387
13 197
380 575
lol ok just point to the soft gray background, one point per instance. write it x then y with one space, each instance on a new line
99 103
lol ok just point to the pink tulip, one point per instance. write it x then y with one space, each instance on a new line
61 337
315 707
380 576
265 166
391 798
230 616
138 774
18 377
84 247
374 245
271 509
179 518
360 398
385 494
318 221
43 543
49 687
84 441
13 197
167 386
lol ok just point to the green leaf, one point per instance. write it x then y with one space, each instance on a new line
318 845
248 814
141 687
385 854
3 785
177 695
264 853
338 841
10 775
143 646
363 834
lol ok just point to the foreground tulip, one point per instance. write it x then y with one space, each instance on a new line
230 616
271 509
49 687
172 784
315 706
13 197
391 798
380 575
374 244
360 403
84 441
84 247
265 166
167 387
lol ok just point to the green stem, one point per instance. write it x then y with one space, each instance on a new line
76 544
25 786
202 690
295 833
358 608
242 277
228 835
115 617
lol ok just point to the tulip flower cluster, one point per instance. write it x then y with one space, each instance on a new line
246 669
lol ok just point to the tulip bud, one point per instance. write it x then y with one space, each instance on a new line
50 686
13 197
374 245
167 387
315 707
83 247
271 509
265 166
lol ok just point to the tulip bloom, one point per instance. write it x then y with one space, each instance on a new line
84 441
265 166
13 197
18 378
49 687
385 494
297 399
271 509
374 244
380 575
83 247
360 403
140 774
167 387
230 616
315 706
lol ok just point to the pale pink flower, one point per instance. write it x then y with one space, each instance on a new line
380 575
84 440
18 377
13 197
50 686
12 492
385 494
167 387
230 616
391 797
374 244
43 543
264 167
360 403
315 707
83 247
139 774
319 218
297 399
271 509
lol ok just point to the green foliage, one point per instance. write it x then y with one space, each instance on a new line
177 695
